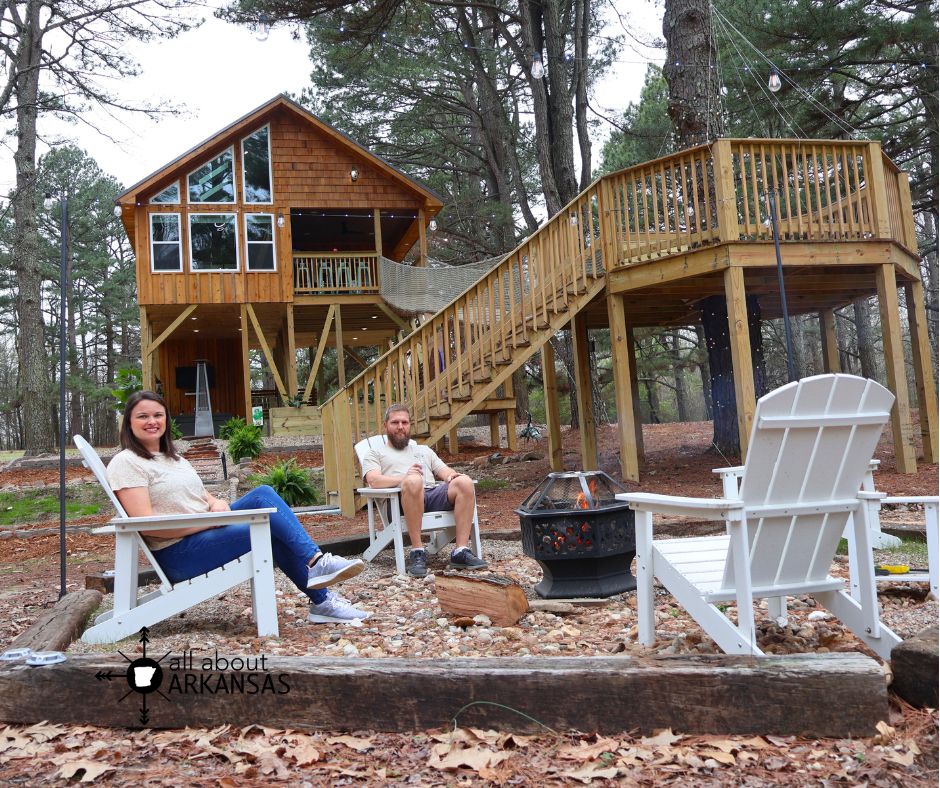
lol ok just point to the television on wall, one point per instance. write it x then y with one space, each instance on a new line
186 377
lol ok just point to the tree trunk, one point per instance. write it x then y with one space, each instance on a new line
690 70
652 399
34 400
678 374
866 356
705 375
714 310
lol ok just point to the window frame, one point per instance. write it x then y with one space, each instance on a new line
179 195
249 243
245 199
234 201
192 268
178 242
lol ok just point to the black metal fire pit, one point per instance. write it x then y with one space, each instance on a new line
582 537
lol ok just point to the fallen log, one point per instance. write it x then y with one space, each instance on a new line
498 598
60 624
834 695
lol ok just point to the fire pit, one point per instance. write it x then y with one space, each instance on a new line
581 536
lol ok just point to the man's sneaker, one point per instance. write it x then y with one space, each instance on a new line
417 563
335 610
332 569
462 558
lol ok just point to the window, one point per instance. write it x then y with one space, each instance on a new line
256 161
170 194
212 242
259 232
165 250
214 181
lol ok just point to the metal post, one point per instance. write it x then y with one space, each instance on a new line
63 299
791 369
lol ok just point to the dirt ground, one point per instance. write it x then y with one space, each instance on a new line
677 462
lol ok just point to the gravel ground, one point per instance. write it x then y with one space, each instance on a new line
407 622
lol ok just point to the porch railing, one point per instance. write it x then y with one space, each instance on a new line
318 273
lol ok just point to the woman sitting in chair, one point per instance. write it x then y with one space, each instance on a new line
150 477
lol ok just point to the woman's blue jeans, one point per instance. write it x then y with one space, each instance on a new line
202 552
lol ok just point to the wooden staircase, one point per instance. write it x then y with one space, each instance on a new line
455 360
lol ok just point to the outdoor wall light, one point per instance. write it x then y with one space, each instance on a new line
573 219
118 211
263 27
774 83
432 226
354 175
280 220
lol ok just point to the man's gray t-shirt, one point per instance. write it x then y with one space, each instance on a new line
389 461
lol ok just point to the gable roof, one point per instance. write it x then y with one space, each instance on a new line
432 201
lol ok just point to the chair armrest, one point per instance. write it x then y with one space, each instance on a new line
707 508
924 499
168 521
735 470
378 492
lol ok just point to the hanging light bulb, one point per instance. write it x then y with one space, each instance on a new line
263 27
432 225
538 70
774 83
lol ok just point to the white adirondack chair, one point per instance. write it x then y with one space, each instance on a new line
386 503
931 503
131 612
809 451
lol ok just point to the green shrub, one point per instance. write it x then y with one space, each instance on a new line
175 432
126 382
245 442
231 427
483 485
291 482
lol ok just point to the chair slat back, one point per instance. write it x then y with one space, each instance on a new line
362 447
92 461
811 444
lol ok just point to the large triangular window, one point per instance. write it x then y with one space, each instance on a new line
214 181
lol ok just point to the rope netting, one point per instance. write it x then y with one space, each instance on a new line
428 289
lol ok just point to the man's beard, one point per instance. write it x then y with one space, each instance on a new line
400 442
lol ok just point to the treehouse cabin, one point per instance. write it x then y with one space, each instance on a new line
269 236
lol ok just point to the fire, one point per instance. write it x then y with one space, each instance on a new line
581 501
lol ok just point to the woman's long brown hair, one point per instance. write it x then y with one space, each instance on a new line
129 440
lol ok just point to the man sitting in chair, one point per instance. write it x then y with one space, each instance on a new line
403 463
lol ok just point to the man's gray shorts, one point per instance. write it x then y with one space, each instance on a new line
435 499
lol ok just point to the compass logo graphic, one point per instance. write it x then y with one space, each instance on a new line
144 675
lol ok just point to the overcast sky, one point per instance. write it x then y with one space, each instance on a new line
220 72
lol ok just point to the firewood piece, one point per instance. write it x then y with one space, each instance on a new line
499 598
104 582
58 626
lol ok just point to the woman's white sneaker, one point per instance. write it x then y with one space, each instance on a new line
332 569
335 610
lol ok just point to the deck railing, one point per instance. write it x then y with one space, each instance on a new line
825 191
320 273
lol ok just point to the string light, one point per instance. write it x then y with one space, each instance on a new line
538 70
773 83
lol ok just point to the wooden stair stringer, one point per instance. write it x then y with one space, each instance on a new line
536 340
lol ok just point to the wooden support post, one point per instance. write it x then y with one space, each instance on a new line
452 442
740 354
321 347
725 200
830 344
246 368
512 439
878 191
377 228
629 458
290 349
340 355
923 369
146 360
494 429
894 368
345 462
635 397
155 343
269 357
582 374
422 240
